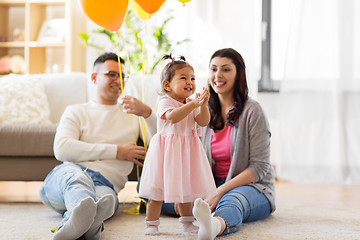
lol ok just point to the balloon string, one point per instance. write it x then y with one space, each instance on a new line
120 73
143 132
144 87
122 90
146 75
143 50
122 86
128 60
144 72
121 79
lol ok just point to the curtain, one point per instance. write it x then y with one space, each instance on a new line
319 107
210 25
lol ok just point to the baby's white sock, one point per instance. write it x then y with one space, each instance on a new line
209 226
152 227
105 209
187 223
79 222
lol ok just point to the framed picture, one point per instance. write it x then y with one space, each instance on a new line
53 30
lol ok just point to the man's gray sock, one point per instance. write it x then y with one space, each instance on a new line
79 222
105 209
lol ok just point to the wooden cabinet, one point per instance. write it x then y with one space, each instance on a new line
21 23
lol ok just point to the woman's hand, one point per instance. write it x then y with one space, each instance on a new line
244 178
213 201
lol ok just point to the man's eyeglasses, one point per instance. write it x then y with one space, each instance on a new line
114 75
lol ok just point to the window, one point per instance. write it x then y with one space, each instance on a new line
267 82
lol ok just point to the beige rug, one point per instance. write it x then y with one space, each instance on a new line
292 220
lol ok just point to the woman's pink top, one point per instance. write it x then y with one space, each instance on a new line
220 150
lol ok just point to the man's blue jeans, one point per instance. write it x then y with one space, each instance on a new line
68 184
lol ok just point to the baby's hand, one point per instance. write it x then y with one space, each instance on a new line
201 99
197 100
205 96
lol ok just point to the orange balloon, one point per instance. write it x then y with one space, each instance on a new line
139 11
150 6
108 14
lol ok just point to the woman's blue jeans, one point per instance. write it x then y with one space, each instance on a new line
68 184
241 204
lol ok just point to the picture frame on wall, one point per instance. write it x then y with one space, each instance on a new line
53 30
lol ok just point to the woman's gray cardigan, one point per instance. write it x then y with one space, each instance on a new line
250 149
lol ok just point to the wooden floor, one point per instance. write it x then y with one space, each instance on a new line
29 192
348 195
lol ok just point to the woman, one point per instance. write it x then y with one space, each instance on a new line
237 143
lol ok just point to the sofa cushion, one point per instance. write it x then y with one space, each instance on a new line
28 168
27 139
23 100
63 89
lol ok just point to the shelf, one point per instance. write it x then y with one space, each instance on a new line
35 44
12 44
48 3
11 2
22 2
27 17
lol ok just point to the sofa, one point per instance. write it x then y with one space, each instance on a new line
30 109
26 141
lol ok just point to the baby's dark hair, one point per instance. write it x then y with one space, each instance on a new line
168 71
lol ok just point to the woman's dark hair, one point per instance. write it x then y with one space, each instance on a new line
240 92
108 56
168 71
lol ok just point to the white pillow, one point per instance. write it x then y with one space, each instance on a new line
23 100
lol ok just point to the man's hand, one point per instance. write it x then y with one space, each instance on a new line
135 106
131 152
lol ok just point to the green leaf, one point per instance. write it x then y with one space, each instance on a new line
54 229
85 38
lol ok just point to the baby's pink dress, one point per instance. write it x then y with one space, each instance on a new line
176 168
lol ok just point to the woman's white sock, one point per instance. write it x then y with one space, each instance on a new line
79 222
209 226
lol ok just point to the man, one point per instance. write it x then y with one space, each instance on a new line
96 142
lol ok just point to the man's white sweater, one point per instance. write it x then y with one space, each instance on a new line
89 133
